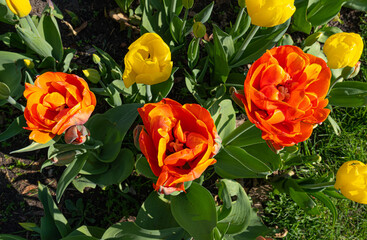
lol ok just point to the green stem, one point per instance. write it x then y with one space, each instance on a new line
149 92
238 20
105 88
245 43
339 79
31 24
184 23
15 103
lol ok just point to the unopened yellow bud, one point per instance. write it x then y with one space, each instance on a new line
92 75
96 58
28 63
19 7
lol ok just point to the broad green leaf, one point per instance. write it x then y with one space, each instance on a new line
223 49
48 63
360 5
49 30
35 146
79 238
69 174
118 170
244 135
264 39
53 216
12 40
10 237
195 212
240 210
300 22
161 90
114 99
6 15
204 15
143 168
58 148
155 213
333 193
69 55
30 227
224 117
175 28
35 42
322 11
131 231
243 26
349 94
15 128
93 166
328 203
255 161
90 231
193 52
255 229
81 183
301 197
10 70
108 135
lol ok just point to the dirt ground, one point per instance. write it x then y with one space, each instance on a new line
20 173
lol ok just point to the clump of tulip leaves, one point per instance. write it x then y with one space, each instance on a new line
212 68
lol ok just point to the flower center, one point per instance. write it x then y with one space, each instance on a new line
284 94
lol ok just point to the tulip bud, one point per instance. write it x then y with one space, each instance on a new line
4 91
96 58
92 75
76 134
136 134
19 7
28 63
242 3
63 158
351 180
343 49
188 3
199 29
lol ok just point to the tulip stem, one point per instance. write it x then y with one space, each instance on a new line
245 43
15 103
238 20
149 92
339 79
184 24
31 24
105 88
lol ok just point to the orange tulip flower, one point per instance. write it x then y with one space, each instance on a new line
178 142
284 95
56 102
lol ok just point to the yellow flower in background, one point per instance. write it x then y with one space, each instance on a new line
148 61
351 180
343 49
269 13
19 7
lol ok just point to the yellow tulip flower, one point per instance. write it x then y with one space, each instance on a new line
269 13
351 180
19 7
343 49
148 61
